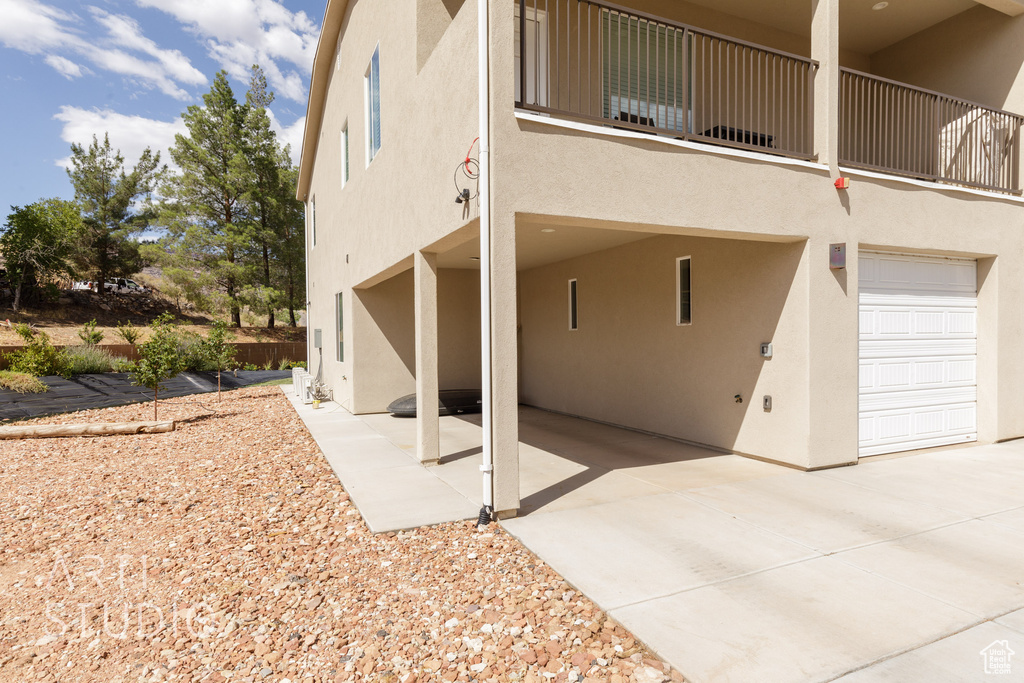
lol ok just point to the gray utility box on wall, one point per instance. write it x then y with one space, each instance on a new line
317 339
837 256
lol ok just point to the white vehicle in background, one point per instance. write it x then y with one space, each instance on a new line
123 285
117 285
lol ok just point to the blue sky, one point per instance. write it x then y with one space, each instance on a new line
130 67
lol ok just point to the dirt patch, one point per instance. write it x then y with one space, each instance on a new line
228 550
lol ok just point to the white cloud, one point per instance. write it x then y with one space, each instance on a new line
240 33
289 135
65 67
130 134
33 27
125 32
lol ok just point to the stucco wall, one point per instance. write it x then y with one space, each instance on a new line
404 199
629 363
976 55
383 340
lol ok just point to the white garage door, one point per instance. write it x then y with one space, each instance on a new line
918 352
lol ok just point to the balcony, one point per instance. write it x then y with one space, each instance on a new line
603 64
897 128
600 63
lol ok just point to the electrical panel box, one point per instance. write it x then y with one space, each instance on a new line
318 339
766 350
837 256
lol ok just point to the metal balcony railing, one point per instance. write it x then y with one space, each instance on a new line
897 128
597 62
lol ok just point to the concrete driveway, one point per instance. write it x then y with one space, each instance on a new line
904 569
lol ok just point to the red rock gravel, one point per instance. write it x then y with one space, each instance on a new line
227 550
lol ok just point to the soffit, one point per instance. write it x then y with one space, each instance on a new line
535 248
862 29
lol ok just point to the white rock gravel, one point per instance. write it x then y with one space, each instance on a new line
227 550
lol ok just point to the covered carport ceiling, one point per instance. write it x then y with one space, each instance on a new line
862 29
539 244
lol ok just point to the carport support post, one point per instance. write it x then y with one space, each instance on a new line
428 447
504 363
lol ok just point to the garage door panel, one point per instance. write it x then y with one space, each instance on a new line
891 431
896 272
896 321
917 398
918 352
930 374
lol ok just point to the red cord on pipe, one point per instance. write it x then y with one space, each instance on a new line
470 151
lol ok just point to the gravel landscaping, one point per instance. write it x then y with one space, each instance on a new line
227 550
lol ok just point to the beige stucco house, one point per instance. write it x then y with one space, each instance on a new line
668 249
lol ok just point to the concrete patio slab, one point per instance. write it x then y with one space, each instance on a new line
823 513
412 500
697 473
682 544
957 658
960 480
975 566
1014 620
810 621
388 485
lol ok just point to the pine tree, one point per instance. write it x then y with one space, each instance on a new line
115 206
262 151
277 237
207 211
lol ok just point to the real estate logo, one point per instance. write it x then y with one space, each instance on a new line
997 657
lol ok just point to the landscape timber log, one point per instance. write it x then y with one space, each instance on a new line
95 429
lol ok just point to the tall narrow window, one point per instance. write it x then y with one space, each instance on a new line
573 318
339 310
683 291
344 155
373 106
312 219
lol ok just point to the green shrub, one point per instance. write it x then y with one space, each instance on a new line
194 353
250 366
38 357
129 333
159 358
89 334
88 360
288 364
21 382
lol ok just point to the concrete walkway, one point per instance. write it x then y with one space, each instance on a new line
731 569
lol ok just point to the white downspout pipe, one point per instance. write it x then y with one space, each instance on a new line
483 96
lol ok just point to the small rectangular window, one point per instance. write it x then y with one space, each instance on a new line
683 290
339 309
372 80
312 219
573 320
344 155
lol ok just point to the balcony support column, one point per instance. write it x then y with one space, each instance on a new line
428 448
825 50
